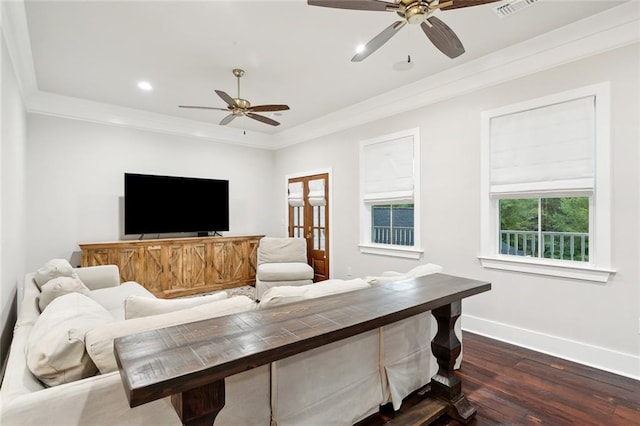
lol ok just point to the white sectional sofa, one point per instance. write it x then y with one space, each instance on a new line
100 399
338 384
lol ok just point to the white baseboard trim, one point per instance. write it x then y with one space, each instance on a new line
604 359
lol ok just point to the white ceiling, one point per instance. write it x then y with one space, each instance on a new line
292 53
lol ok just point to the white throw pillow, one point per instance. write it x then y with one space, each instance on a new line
56 351
386 279
141 306
392 276
282 295
53 269
336 287
99 340
424 269
59 287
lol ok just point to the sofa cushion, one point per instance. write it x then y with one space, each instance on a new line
99 340
140 306
58 287
56 350
288 294
282 250
112 298
53 269
393 276
288 271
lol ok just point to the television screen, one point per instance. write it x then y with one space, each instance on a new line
163 204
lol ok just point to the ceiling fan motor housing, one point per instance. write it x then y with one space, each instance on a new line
242 103
415 12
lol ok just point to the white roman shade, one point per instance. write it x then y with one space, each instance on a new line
316 192
296 196
388 170
544 150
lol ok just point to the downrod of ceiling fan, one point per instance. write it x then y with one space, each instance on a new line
238 73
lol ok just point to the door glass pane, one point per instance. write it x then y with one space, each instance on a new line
322 216
519 227
565 228
322 239
316 239
316 216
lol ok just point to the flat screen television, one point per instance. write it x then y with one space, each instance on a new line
168 204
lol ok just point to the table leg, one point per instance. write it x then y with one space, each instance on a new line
446 385
201 405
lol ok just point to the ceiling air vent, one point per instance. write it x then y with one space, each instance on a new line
513 6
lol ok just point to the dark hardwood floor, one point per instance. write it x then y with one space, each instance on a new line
514 386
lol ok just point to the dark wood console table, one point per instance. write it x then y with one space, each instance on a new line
159 363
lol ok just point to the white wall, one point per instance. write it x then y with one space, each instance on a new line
76 172
591 323
12 191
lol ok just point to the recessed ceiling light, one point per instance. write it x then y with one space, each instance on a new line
144 85
360 48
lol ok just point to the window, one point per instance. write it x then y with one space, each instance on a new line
548 228
545 186
389 181
392 224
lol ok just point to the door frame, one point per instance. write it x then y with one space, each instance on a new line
329 172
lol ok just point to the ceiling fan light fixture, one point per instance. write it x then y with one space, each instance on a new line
360 48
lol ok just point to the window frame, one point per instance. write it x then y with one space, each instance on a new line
366 245
598 269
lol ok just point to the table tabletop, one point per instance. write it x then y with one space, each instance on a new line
158 363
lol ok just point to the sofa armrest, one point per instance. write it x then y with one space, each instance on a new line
101 276
99 400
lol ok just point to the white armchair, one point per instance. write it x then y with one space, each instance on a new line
282 261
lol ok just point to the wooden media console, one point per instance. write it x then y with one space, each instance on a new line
163 367
174 267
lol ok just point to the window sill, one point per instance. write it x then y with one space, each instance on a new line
547 267
389 250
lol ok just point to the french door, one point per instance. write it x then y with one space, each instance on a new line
309 219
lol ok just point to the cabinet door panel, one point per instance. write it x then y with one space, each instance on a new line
153 270
175 278
128 260
96 257
251 256
195 265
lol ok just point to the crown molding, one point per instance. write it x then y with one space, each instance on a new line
16 34
96 112
606 31
614 28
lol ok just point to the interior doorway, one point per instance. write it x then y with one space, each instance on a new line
308 198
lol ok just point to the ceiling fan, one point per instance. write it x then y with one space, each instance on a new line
412 12
238 106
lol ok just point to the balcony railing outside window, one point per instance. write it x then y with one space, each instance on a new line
556 245
402 236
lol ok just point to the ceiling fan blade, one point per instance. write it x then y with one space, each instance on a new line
467 3
228 119
202 107
374 5
443 37
262 118
379 40
228 99
267 108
